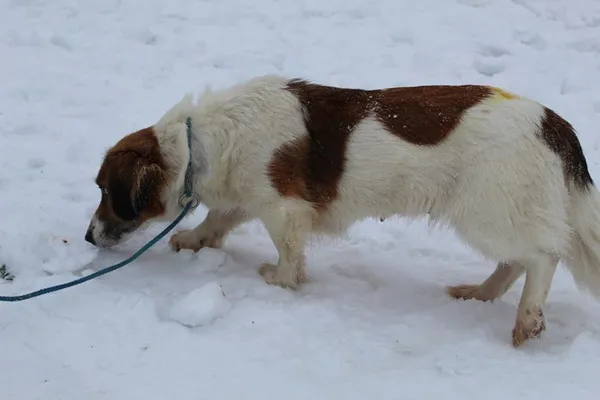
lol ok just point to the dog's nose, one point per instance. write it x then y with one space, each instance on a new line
89 237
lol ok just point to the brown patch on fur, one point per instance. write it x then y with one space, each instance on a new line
561 138
287 169
311 167
426 115
132 177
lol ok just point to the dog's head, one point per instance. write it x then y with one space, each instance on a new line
131 180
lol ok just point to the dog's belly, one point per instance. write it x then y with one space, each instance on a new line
385 176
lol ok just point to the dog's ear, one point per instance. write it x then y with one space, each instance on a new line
120 185
134 188
145 192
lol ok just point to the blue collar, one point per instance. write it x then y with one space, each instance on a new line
189 197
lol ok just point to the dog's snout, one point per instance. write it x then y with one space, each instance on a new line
89 237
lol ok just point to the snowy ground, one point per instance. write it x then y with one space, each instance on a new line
374 322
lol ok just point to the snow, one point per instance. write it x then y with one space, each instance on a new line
374 321
201 306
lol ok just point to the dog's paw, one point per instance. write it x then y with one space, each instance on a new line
467 292
530 327
285 277
192 240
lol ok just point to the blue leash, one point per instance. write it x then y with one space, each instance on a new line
192 203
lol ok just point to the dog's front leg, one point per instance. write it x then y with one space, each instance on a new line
211 232
289 229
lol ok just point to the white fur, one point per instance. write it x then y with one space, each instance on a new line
97 229
492 180
583 257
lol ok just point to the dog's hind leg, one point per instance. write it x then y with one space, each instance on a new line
530 317
498 283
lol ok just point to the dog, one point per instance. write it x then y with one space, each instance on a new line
506 173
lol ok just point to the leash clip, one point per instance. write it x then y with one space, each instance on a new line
193 198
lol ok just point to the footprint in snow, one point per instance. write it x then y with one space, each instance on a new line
493 51
36 163
489 68
60 41
531 39
491 63
144 36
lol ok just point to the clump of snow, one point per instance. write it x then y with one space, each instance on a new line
201 306
214 258
59 254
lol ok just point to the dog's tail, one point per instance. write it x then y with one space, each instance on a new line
583 256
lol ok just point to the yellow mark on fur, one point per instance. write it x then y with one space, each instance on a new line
499 95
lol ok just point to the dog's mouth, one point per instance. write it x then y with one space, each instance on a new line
106 235
104 243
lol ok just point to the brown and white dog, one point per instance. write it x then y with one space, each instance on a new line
507 173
